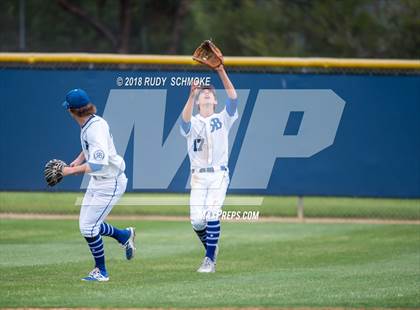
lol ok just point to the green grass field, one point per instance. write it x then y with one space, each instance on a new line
260 264
64 203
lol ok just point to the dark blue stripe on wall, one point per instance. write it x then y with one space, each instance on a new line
293 123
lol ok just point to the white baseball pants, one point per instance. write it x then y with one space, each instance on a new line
99 199
208 192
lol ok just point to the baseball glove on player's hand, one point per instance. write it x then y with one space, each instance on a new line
209 54
53 171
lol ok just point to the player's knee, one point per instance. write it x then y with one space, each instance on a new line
88 230
213 213
198 223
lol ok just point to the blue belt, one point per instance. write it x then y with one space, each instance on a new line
210 169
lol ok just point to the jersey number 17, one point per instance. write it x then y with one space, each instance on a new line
198 145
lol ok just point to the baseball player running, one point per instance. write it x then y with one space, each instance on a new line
107 183
207 140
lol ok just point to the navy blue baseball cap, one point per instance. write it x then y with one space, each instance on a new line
76 98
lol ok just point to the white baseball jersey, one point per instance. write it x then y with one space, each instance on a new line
99 149
207 139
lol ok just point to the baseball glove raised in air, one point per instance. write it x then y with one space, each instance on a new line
208 54
53 171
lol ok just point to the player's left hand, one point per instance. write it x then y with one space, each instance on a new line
209 54
53 171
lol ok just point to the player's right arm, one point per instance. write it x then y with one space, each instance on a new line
187 111
189 105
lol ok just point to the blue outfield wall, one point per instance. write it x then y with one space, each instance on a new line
298 134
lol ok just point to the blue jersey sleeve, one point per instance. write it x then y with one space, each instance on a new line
185 126
95 167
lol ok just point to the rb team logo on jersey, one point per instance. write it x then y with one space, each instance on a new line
215 124
99 155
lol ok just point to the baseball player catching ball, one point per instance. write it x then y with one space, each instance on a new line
207 139
107 183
